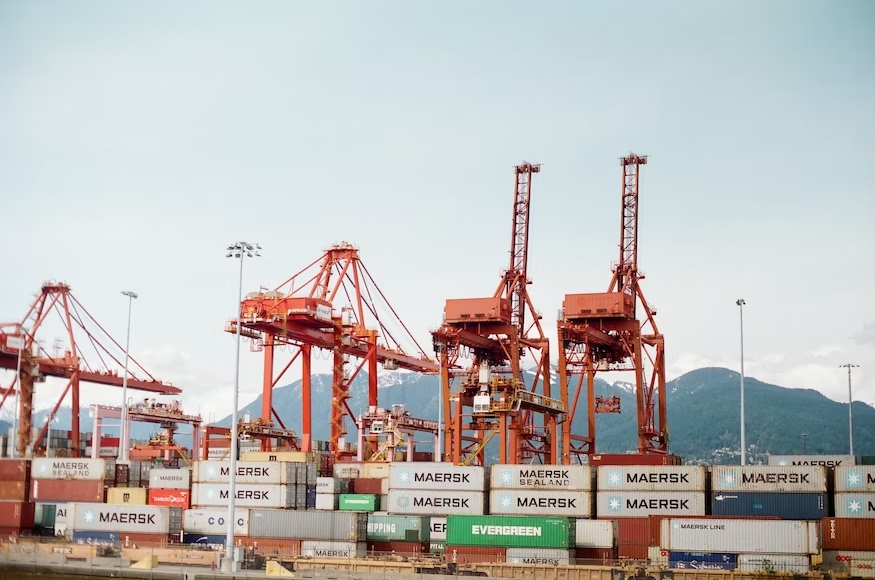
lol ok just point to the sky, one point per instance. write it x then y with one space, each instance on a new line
139 139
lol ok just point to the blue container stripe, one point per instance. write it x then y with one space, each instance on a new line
214 541
702 561
96 538
788 506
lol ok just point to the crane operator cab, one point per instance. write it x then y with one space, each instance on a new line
483 400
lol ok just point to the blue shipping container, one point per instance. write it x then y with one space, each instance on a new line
211 541
787 506
311 497
699 561
96 538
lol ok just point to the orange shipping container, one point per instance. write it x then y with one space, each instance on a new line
13 491
848 534
16 515
594 556
66 490
14 469
475 554
180 498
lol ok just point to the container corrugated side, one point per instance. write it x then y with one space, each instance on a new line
249 472
640 504
170 478
436 475
14 469
702 561
434 502
247 495
738 536
542 556
595 533
859 564
438 528
854 505
16 514
64 468
211 521
855 479
474 554
332 485
787 506
387 528
100 517
358 502
126 495
82 490
831 461
327 501
541 477
769 478
342 550
570 504
13 490
510 531
848 534
651 477
308 525
376 470
780 563
287 456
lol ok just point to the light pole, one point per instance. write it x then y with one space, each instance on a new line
439 448
804 447
850 366
124 436
740 302
239 250
21 344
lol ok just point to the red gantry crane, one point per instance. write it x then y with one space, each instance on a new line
330 310
82 331
601 332
496 333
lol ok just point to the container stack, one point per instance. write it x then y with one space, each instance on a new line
546 490
855 492
259 484
126 495
796 492
119 525
170 488
595 541
16 513
630 494
849 538
328 491
828 461
316 534
208 527
61 479
437 526
514 539
435 488
366 477
400 535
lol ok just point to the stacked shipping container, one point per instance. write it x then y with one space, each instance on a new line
16 513
262 484
795 492
849 538
435 488
515 539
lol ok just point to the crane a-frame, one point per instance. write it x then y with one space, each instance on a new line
602 332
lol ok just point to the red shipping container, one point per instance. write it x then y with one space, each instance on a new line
14 514
66 490
180 498
367 485
632 551
475 554
633 459
848 534
272 546
13 491
14 469
594 556
399 548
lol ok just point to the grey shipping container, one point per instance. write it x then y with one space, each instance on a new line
739 536
769 478
831 461
308 525
855 479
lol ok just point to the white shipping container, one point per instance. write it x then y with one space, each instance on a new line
247 495
348 470
543 556
327 501
251 472
102 517
860 564
795 479
219 454
438 526
67 468
107 451
641 504
284 456
345 550
376 470
569 504
214 521
657 556
435 475
824 460
651 477
595 533
435 502
170 478
328 485
854 505
541 477
740 536
792 563
855 479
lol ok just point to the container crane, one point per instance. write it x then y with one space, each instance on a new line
497 332
36 363
602 332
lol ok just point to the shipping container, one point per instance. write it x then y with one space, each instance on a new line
771 563
180 498
67 468
342 550
651 478
281 456
787 506
99 517
854 505
702 561
14 469
437 547
474 554
13 491
247 495
250 472
215 521
830 461
327 501
431 475
541 477
634 459
83 490
542 556
656 524
308 525
170 478
510 531
768 478
120 539
412 549
859 564
855 479
386 528
376 470
595 556
595 533
358 502
437 526
570 504
848 534
368 485
126 495
332 485
215 542
640 504
739 536
16 514
434 502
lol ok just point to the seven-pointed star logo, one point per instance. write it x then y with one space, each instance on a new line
403 501
614 478
211 494
854 505
782 462
506 476
855 478
614 503
403 476
505 501
729 480
44 467
89 516
211 471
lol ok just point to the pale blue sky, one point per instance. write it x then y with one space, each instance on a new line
138 139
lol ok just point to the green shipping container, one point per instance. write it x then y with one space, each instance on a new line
867 460
439 547
510 531
398 528
359 502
